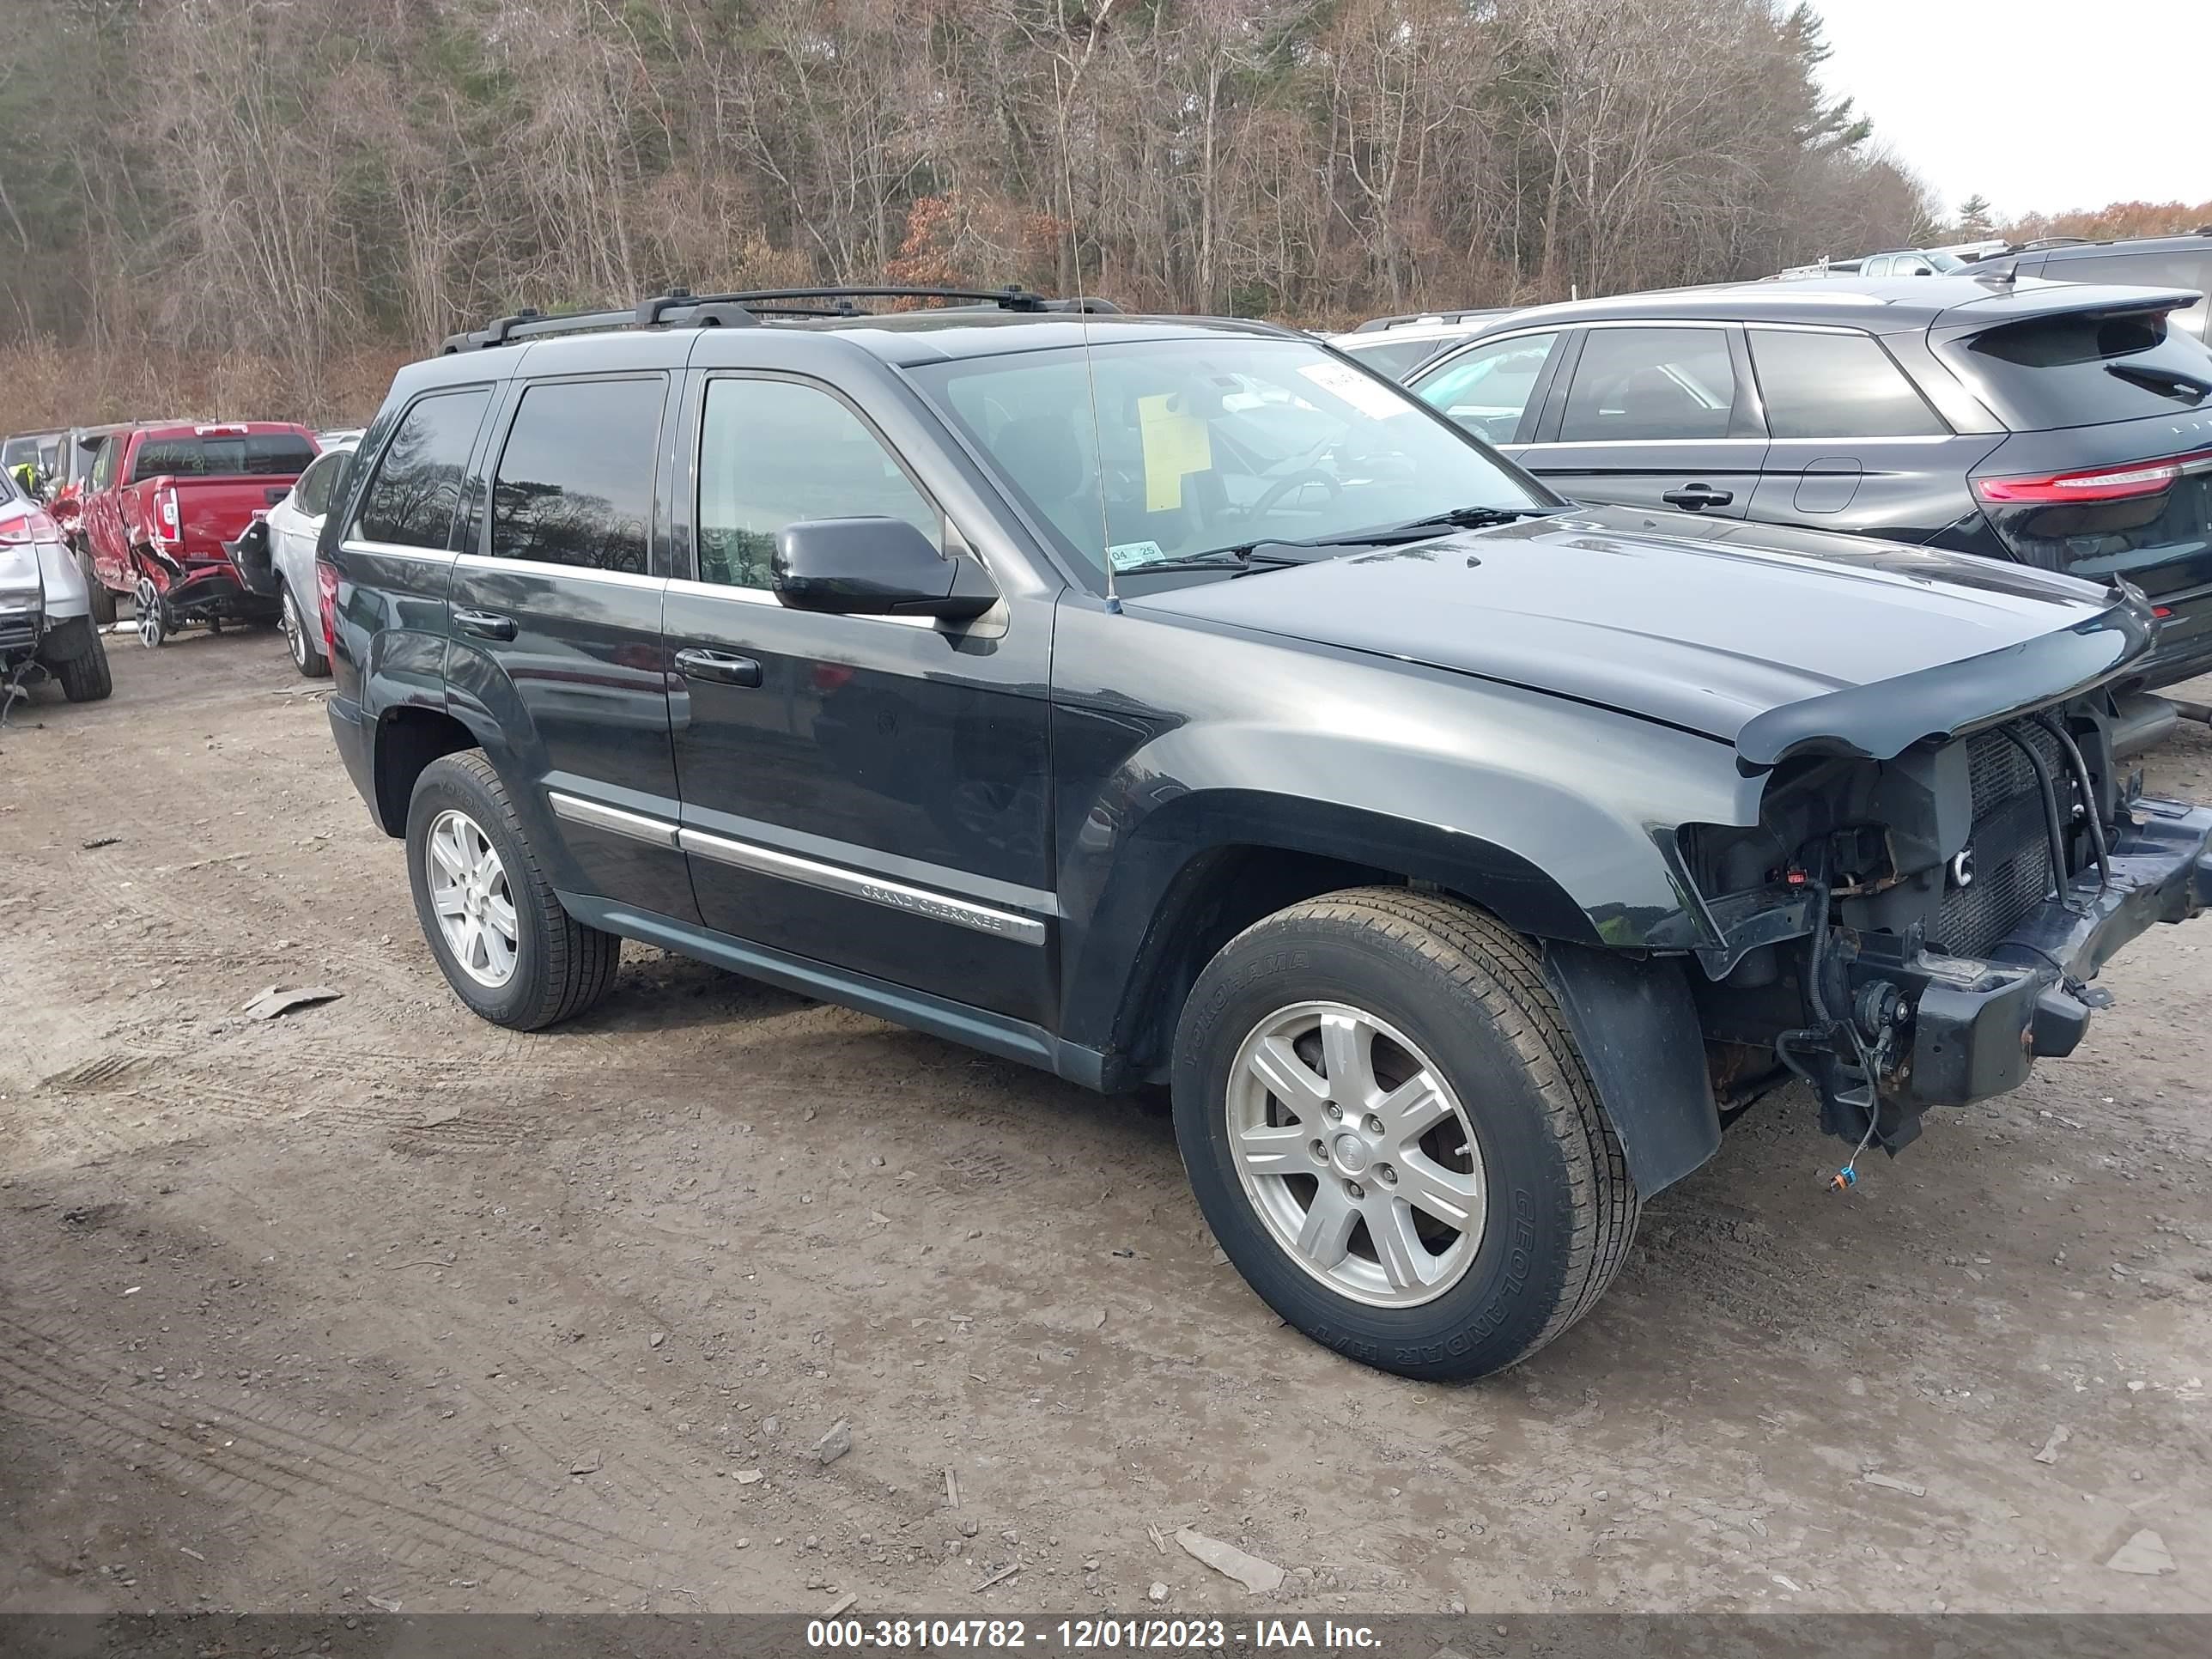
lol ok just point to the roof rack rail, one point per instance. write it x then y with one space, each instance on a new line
1375 325
681 308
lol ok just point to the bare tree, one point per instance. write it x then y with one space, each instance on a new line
303 191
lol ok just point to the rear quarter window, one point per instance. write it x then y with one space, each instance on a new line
1835 385
2082 369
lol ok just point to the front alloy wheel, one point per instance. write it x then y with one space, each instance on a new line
1355 1153
1392 1134
471 897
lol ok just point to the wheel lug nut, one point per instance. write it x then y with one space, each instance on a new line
1373 1125
1333 1112
1386 1175
1320 1150
1355 1190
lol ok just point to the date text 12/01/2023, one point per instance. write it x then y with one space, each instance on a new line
1088 1635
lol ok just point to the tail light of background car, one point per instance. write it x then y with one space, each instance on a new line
2108 484
326 602
31 527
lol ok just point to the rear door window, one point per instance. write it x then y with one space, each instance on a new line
574 483
260 454
2082 369
1835 385
410 501
1650 384
1486 388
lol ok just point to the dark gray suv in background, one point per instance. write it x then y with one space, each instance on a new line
1169 701
2144 261
2064 426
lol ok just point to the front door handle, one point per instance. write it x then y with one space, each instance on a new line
1691 497
484 625
719 666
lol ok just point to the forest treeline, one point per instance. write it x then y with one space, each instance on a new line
223 200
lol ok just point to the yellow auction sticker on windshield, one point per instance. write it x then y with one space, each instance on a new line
1175 444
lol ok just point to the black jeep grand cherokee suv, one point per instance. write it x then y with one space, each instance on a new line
1460 857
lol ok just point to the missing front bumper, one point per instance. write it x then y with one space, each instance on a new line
1977 1025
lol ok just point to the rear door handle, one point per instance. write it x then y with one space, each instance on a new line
719 666
1691 497
484 625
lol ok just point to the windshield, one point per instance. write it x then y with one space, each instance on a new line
1199 445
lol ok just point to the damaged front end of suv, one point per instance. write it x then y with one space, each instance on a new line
1940 864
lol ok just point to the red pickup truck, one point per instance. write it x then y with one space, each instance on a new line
161 502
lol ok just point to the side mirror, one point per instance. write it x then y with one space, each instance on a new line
876 567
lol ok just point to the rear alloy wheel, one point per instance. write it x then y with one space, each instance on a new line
155 622
1393 1136
503 941
306 656
472 899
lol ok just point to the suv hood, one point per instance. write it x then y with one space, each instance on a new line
1778 640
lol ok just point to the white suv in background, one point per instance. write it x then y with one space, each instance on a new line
1396 346
275 554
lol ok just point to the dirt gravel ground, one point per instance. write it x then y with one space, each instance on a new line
375 1305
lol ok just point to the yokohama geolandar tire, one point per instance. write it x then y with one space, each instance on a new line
1393 1136
494 924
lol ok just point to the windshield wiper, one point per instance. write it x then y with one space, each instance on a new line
2187 387
1246 556
1478 518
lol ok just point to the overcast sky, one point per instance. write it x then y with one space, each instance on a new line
2040 104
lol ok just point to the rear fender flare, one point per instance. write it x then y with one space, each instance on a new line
475 690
